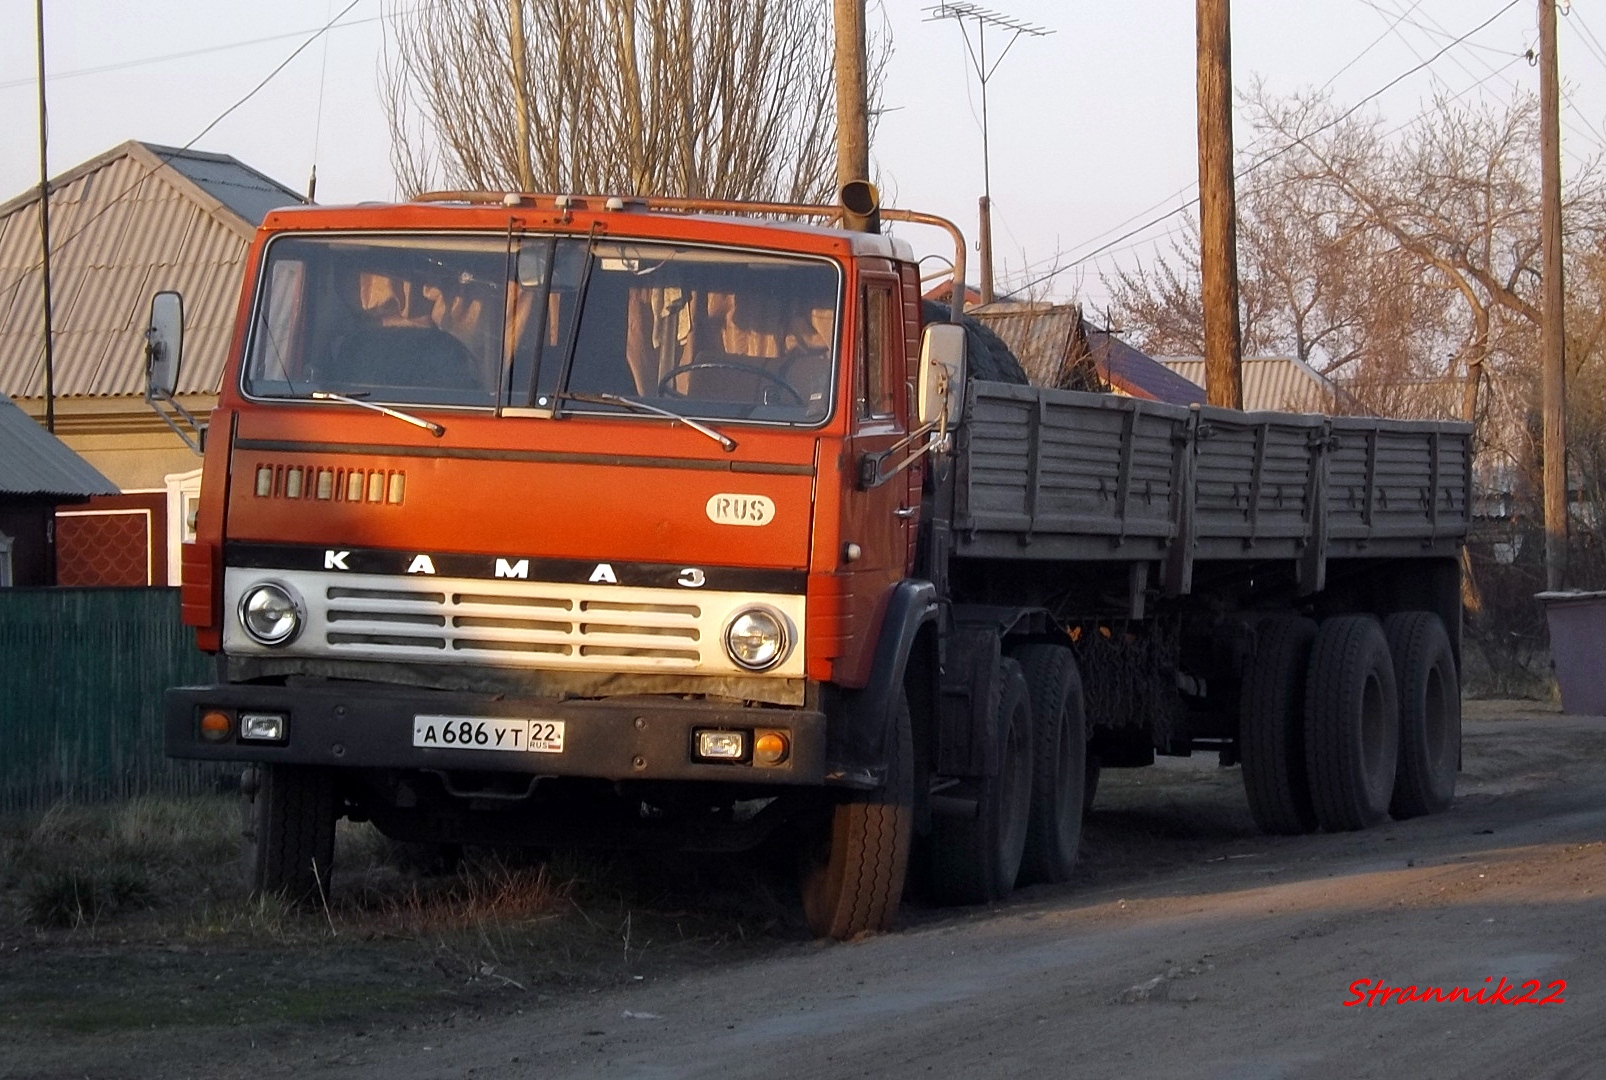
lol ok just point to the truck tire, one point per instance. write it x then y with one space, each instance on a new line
853 876
1430 714
1352 724
1090 783
289 831
976 859
1059 762
1271 727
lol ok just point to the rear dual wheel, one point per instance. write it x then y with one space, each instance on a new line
1430 714
1352 724
1059 762
1271 729
976 858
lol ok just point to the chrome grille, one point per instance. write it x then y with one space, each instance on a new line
511 623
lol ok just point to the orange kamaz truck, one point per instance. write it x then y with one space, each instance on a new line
559 520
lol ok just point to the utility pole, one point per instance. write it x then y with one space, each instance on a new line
959 11
1218 217
521 92
852 93
1552 334
44 230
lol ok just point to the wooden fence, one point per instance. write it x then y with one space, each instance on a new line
81 678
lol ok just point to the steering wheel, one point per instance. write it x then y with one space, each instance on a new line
703 365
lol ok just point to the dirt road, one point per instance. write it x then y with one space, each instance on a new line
1189 945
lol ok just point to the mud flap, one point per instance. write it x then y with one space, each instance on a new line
861 720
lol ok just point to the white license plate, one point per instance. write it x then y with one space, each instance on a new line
488 733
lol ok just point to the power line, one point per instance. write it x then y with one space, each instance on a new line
1375 42
1279 152
1587 36
1438 31
123 65
165 158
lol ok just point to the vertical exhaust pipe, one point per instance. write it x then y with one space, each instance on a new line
861 206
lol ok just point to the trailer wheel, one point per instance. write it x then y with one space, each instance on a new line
1352 724
1430 713
1271 727
1059 762
289 831
976 859
853 875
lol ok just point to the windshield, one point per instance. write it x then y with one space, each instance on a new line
546 322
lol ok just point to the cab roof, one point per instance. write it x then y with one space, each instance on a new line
806 229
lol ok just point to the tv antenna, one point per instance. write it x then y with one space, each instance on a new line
960 11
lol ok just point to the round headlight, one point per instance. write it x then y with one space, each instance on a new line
756 639
270 614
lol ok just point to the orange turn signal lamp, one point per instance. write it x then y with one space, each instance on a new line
217 725
771 747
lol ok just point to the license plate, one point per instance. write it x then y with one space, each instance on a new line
488 733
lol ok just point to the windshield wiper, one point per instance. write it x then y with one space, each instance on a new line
430 426
724 441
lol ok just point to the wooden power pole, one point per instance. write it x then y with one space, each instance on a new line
518 67
1552 335
1218 218
44 238
852 92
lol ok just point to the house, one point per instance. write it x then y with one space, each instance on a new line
1277 384
38 472
135 220
1058 347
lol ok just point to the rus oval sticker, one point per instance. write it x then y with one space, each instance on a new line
728 509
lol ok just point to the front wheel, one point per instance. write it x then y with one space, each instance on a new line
853 874
289 831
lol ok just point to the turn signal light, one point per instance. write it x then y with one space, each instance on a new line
770 748
216 726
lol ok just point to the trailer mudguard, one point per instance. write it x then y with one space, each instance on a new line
861 719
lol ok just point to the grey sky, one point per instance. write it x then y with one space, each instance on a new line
1092 127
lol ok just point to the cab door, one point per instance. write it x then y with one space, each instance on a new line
878 515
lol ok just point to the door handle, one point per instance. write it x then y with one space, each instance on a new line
906 512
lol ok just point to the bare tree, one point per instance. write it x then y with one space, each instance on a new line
728 100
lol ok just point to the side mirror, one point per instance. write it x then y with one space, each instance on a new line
164 345
940 393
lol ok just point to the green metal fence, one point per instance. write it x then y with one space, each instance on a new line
81 678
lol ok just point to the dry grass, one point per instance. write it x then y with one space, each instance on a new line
165 874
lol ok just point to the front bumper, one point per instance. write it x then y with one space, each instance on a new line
364 725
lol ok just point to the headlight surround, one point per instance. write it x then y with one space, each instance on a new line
758 638
271 613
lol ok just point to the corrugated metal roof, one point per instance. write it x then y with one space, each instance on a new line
35 462
1041 336
125 225
1051 340
1276 383
233 183
1137 374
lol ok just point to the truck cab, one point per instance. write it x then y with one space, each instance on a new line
537 519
